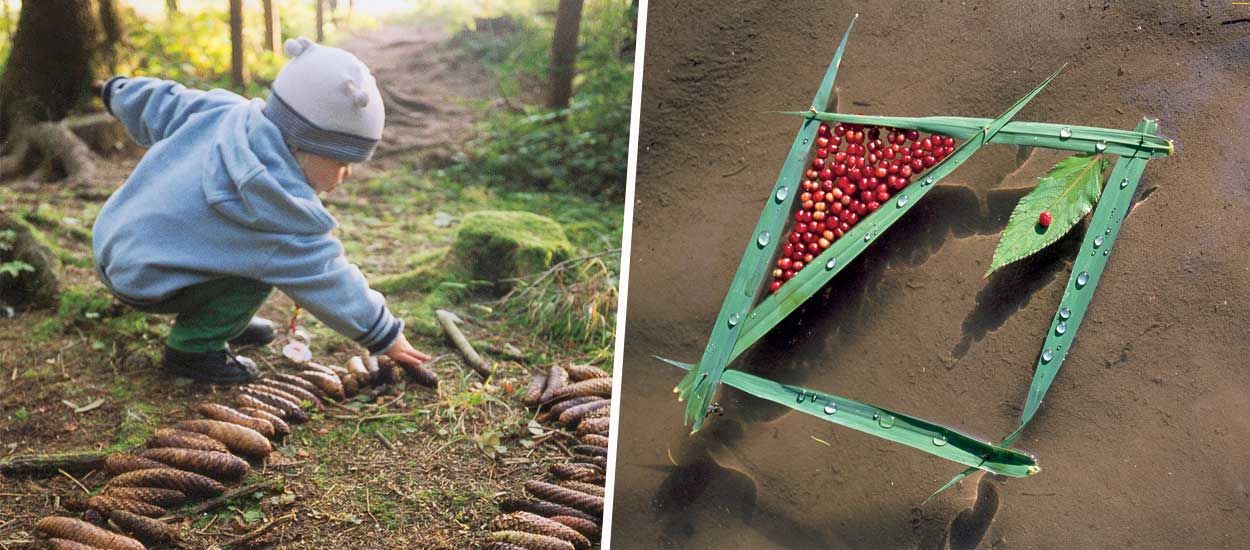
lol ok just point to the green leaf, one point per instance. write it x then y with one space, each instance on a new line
892 426
1068 192
15 268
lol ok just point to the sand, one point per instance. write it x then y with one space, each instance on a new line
1144 437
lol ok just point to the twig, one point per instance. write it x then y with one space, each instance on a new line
262 530
385 443
223 498
75 480
448 321
735 172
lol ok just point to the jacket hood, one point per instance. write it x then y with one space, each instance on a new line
252 178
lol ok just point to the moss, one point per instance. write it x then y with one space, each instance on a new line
425 276
494 245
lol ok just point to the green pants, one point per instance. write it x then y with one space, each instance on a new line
209 314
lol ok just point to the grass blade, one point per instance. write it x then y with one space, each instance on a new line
701 383
892 426
809 281
1083 139
1091 260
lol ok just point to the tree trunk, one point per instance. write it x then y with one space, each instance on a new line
171 7
321 21
111 24
564 54
55 57
273 29
237 70
52 62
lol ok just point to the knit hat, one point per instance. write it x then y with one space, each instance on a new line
325 102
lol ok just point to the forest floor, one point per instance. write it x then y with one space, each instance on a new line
408 468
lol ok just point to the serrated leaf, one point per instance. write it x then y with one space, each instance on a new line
1068 191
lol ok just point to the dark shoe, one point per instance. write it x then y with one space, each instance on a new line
258 333
213 367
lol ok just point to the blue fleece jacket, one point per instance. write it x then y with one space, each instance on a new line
219 194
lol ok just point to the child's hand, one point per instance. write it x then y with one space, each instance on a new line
403 352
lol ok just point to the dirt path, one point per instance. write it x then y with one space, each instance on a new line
1142 438
407 469
429 89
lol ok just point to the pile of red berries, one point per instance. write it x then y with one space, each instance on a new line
854 171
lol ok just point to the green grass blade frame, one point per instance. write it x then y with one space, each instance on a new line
1082 139
809 281
889 425
700 384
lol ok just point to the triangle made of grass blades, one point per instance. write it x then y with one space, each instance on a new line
701 383
892 426
1086 272
807 282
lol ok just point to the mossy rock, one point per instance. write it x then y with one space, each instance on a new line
494 245
24 243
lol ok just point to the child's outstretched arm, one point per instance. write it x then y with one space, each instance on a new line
152 109
313 271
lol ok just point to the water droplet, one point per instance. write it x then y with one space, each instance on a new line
831 408
886 421
805 140
763 239
831 263
1065 313
1047 355
1106 252
782 193
1065 133
868 237
1100 147
733 320
1082 279
1107 232
928 180
1098 241
1061 328
814 397
902 201
1123 183
801 396
939 440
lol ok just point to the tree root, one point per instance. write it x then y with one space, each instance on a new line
47 151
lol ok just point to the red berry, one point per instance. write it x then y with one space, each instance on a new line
784 263
874 205
1044 219
913 135
822 153
822 141
823 130
775 286
818 163
798 266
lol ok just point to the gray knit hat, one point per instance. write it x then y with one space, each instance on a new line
325 102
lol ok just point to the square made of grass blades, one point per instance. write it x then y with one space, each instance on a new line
849 172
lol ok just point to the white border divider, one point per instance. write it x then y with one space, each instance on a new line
623 297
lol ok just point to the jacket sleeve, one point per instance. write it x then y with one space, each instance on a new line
313 271
152 109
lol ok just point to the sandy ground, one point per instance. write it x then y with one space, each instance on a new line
1142 438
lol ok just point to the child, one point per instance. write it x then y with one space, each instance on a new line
224 207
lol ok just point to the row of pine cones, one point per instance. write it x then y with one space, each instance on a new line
194 459
565 513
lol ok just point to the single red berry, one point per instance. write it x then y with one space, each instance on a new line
823 130
823 142
775 286
1044 219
